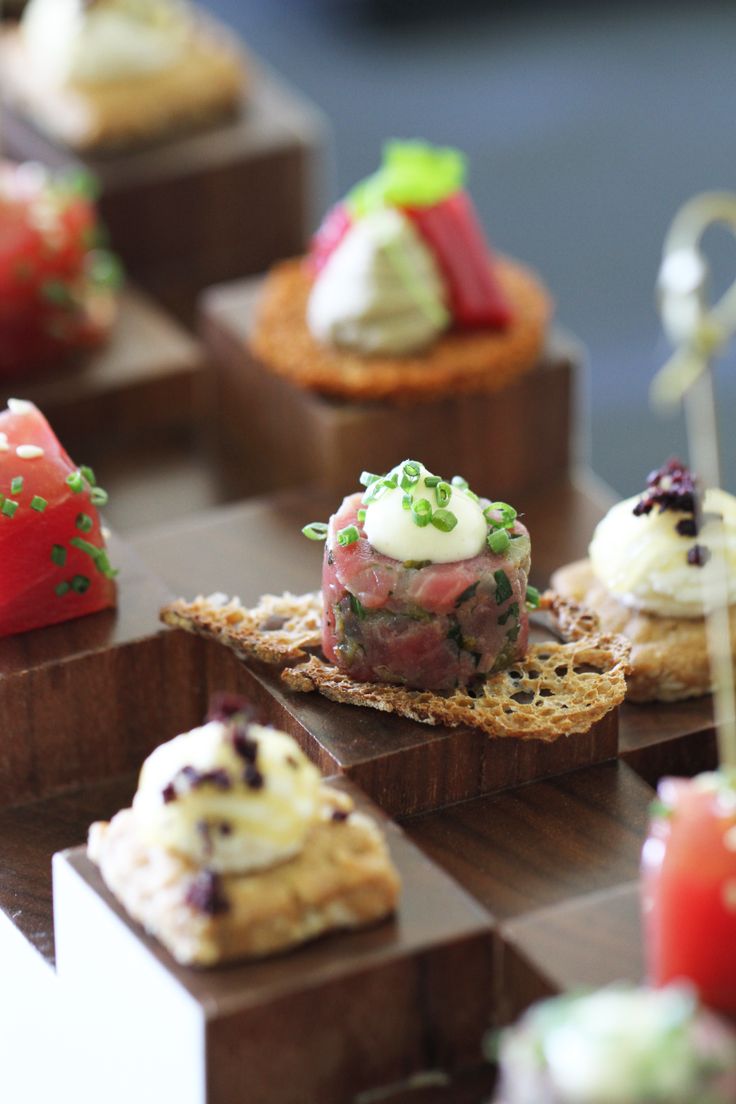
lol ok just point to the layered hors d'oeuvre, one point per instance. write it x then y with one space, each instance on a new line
108 74
55 565
400 296
647 575
424 612
57 284
234 848
619 1045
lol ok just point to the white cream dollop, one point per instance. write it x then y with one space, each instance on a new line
380 291
642 560
108 41
391 530
251 812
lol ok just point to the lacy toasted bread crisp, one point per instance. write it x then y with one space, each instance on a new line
669 655
559 688
205 85
342 879
473 360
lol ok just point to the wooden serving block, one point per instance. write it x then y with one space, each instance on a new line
223 202
514 439
586 942
348 1014
89 698
146 384
661 738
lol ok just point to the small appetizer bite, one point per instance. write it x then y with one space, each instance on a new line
54 562
57 286
400 297
618 1046
106 74
424 584
689 886
424 613
646 575
233 847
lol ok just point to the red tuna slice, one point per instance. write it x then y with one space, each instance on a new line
452 231
44 577
433 627
331 231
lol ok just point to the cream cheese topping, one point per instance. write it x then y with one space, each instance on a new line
68 43
231 798
380 291
642 560
391 529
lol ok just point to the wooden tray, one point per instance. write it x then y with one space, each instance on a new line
214 205
146 384
520 437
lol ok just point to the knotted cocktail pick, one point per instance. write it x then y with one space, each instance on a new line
699 332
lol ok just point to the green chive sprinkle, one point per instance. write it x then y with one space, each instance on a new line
84 522
316 530
348 535
431 480
407 500
443 493
80 584
61 589
507 518
98 497
504 589
88 474
58 555
410 473
471 495
361 516
532 597
444 520
16 485
366 478
75 481
499 540
459 482
85 546
104 566
8 507
421 512
38 503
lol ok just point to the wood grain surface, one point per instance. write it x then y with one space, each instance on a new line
516 438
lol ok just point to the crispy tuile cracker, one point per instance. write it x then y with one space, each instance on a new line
557 689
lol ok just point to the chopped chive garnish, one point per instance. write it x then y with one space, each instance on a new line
366 478
407 500
80 584
104 566
361 516
498 541
16 484
84 522
504 589
38 503
421 512
61 589
98 497
357 606
443 493
390 482
410 473
348 535
471 495
431 480
8 507
532 597
459 482
85 546
507 514
58 555
75 481
88 474
316 530
444 520
375 490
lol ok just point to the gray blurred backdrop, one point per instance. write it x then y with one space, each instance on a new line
586 126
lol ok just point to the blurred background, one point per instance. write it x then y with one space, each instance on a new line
586 126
